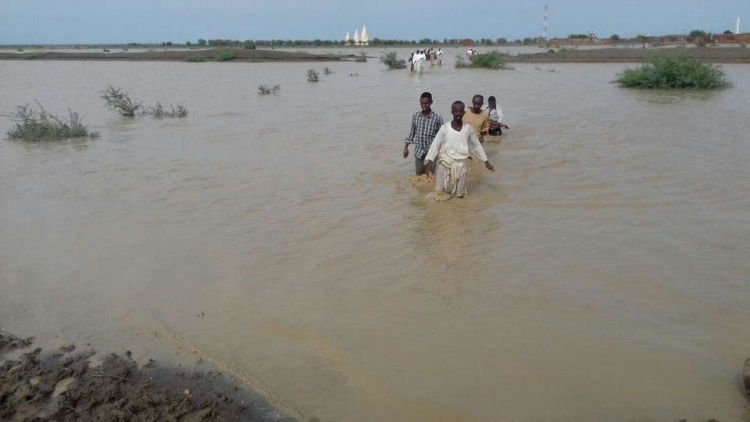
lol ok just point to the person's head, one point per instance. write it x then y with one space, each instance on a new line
425 101
457 110
491 101
476 103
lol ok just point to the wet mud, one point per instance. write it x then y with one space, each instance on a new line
66 385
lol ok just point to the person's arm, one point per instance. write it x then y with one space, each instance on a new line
410 138
484 128
476 149
432 153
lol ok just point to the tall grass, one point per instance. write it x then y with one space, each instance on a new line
392 61
680 72
32 125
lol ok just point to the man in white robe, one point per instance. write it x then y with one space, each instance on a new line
454 143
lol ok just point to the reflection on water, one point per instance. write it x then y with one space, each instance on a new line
599 274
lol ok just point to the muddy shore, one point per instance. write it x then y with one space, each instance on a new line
73 385
622 54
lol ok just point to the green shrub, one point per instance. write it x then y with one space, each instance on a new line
312 76
225 56
743 45
195 59
679 72
491 60
392 61
34 125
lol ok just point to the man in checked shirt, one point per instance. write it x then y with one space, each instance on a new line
424 126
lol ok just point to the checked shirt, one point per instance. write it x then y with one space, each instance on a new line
423 131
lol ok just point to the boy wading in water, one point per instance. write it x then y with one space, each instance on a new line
454 143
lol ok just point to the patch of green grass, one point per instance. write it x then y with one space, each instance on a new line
680 72
32 125
195 59
392 61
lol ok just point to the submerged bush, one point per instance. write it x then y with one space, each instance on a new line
32 125
392 61
679 72
118 100
159 112
265 89
362 58
312 76
195 59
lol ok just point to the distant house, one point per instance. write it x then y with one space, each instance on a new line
732 38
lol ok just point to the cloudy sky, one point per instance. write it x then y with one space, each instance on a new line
154 21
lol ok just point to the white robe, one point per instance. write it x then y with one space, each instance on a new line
449 151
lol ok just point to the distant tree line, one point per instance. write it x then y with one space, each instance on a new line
251 44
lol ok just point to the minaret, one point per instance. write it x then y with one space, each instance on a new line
737 30
356 37
347 39
545 35
364 39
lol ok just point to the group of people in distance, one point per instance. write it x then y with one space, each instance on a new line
443 149
417 59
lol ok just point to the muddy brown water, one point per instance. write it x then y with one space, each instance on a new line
601 273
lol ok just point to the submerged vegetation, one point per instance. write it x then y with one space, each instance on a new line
312 75
32 125
679 72
491 60
119 101
392 61
265 89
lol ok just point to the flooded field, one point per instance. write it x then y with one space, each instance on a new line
600 274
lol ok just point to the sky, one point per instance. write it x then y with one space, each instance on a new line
178 21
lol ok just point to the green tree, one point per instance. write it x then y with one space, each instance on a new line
201 42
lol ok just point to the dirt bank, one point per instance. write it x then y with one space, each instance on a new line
212 54
625 55
66 386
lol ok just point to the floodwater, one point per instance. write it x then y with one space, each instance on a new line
600 274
